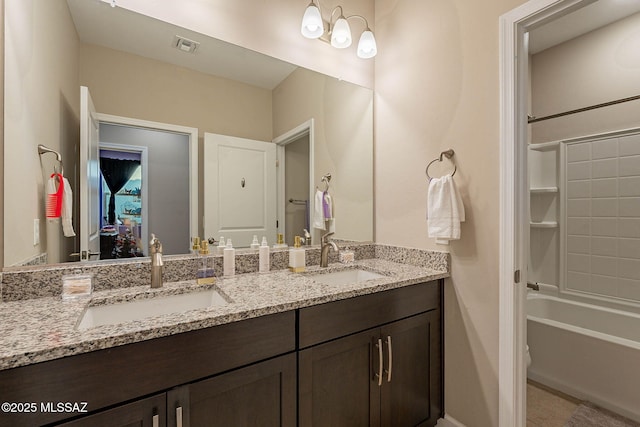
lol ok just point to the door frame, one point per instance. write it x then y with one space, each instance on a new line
193 159
281 141
144 161
514 198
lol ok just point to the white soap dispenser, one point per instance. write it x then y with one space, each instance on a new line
297 257
229 259
264 256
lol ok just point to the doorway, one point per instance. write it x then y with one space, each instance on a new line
168 173
515 237
295 181
123 201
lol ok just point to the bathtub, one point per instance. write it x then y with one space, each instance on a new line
586 351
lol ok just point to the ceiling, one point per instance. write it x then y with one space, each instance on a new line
120 29
579 22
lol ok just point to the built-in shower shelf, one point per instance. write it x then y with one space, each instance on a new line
545 146
544 224
540 190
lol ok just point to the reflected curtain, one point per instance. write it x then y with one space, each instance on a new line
116 173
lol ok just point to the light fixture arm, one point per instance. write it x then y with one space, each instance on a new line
366 23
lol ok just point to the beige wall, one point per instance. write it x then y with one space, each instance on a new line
342 114
437 87
271 27
134 86
598 67
41 107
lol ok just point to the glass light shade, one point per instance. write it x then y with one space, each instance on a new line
312 26
367 47
341 34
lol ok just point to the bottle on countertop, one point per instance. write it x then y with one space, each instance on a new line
264 261
229 259
221 246
206 274
297 257
255 244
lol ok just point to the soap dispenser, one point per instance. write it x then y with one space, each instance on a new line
229 259
206 274
254 243
195 248
297 257
264 256
155 247
280 244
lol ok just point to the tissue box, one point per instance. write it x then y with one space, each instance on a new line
346 257
77 286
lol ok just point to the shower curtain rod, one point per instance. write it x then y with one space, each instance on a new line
533 119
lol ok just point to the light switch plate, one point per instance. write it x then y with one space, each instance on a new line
36 232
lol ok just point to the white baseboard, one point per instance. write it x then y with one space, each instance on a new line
449 421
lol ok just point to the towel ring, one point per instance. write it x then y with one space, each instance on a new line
448 154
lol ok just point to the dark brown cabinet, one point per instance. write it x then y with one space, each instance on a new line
388 375
149 412
260 395
372 360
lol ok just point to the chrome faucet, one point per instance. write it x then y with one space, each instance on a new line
325 245
155 248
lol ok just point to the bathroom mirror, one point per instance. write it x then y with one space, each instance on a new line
140 68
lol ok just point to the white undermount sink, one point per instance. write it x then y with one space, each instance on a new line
344 277
113 314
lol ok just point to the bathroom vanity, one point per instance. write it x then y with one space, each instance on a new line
287 350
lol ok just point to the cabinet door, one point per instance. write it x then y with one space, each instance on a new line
338 384
149 412
263 394
412 393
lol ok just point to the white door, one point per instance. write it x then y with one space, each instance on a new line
239 189
89 179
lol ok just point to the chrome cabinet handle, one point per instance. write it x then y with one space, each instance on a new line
390 358
156 421
380 362
179 416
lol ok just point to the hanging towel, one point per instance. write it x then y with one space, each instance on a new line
318 211
445 210
67 210
327 205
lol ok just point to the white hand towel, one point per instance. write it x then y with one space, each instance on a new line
445 210
67 210
318 211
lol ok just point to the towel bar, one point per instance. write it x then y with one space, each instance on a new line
448 154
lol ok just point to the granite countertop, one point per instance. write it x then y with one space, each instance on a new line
41 329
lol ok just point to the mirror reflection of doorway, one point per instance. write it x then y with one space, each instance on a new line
296 188
121 203
164 205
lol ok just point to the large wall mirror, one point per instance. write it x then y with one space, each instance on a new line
168 100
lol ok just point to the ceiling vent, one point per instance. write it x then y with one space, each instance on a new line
184 44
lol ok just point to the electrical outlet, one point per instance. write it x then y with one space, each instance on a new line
36 232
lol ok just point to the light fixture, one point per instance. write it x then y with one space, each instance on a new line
312 25
341 32
337 33
367 47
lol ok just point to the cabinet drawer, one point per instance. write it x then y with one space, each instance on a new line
107 377
336 319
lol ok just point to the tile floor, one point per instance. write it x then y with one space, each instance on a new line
547 407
